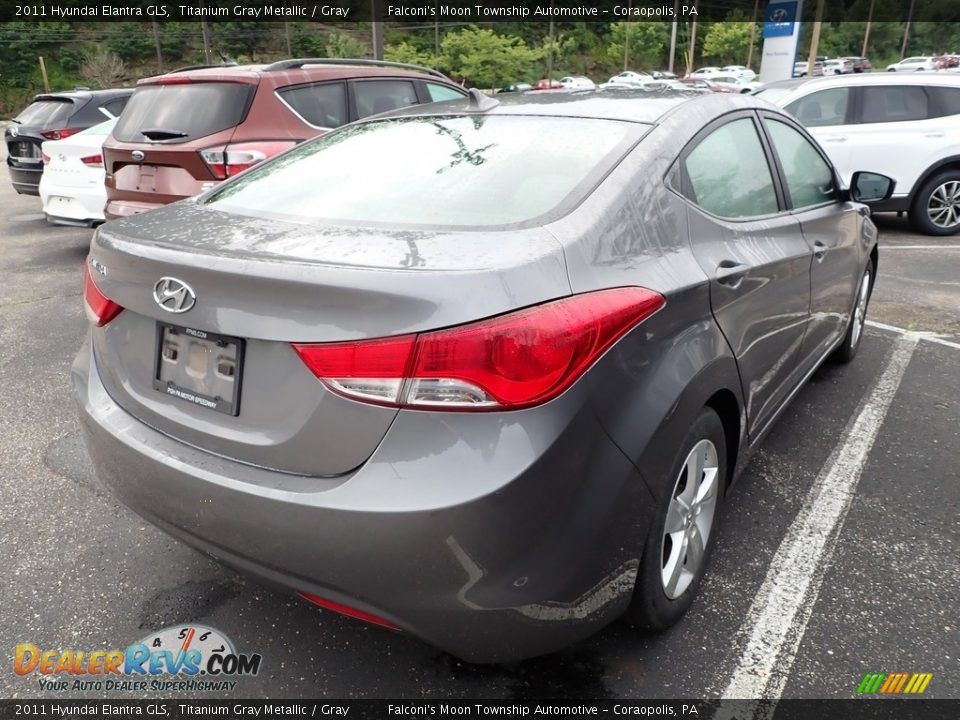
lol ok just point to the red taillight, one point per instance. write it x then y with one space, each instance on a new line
174 80
60 134
100 309
92 160
348 611
228 160
517 360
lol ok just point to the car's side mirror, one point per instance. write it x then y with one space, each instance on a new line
871 187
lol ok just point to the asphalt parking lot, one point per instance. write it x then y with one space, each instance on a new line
837 556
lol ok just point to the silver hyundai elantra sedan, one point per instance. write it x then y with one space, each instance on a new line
479 371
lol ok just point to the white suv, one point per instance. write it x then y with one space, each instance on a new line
904 126
914 64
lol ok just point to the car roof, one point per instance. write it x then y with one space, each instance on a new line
291 71
82 94
879 78
637 106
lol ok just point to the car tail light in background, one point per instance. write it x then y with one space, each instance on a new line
60 134
92 160
100 309
226 161
517 360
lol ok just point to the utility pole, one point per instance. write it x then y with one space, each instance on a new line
673 35
205 31
866 33
550 54
815 39
156 41
626 38
753 31
693 45
377 30
906 31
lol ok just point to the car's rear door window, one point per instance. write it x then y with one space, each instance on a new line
183 111
728 173
944 101
439 93
436 171
321 105
892 103
378 96
808 176
46 113
827 107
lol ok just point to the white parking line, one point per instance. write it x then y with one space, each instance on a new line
778 617
919 334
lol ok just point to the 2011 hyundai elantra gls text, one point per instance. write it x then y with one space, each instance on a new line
481 371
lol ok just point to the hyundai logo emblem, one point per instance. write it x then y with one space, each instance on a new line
174 295
137 155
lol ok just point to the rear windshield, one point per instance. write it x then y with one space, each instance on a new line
46 113
183 112
436 171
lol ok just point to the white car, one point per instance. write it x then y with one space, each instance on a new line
914 64
705 73
906 127
741 71
737 83
837 66
71 186
577 83
629 76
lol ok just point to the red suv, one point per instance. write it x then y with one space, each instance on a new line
183 132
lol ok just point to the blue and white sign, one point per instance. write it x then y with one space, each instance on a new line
780 19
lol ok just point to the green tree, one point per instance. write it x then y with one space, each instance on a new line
728 42
129 41
236 38
643 43
306 41
485 59
341 45
406 53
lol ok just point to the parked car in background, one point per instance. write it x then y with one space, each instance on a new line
906 126
914 64
663 75
186 131
546 392
54 116
548 84
71 187
577 83
838 66
737 83
740 71
629 76
516 87
703 84
860 64
705 73
801 66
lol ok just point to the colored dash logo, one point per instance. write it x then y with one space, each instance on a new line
894 683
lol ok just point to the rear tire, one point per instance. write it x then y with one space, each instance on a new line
681 536
936 207
858 317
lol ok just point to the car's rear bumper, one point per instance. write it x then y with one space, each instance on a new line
25 180
116 209
72 205
506 543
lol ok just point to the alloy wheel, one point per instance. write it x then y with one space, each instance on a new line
860 310
943 205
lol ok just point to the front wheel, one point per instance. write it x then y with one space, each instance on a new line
678 544
858 318
936 207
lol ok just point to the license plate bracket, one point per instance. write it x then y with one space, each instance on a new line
199 367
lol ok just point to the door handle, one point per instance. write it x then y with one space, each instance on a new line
835 138
730 273
934 134
820 250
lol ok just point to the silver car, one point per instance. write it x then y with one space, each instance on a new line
479 371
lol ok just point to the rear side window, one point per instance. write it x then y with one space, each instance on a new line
809 177
893 103
827 107
115 107
439 93
944 101
435 171
46 113
377 96
729 175
322 106
183 112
